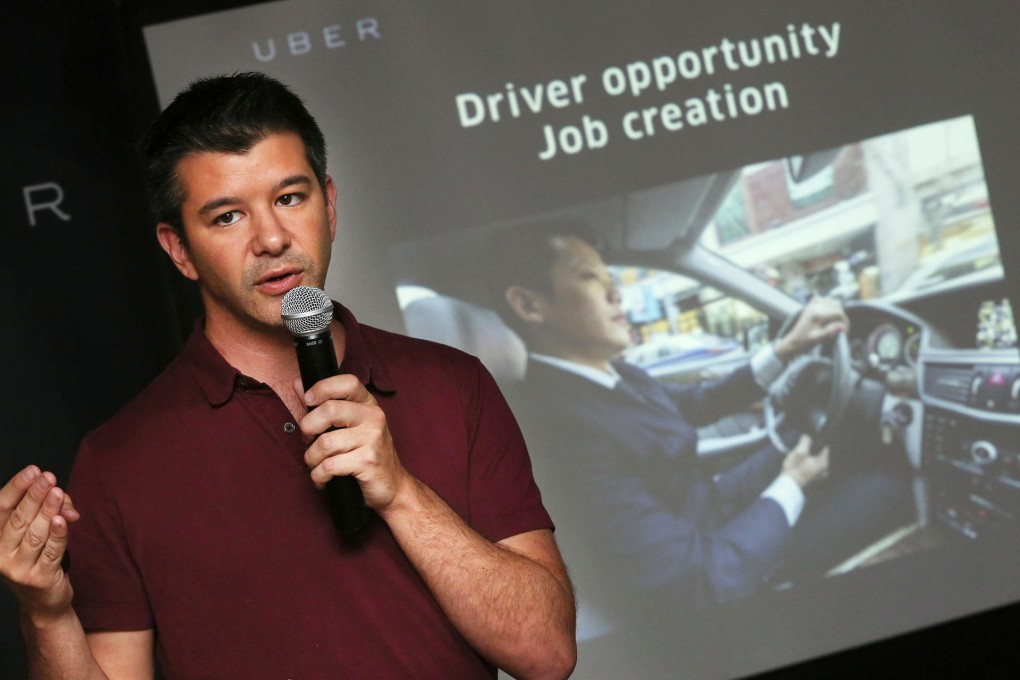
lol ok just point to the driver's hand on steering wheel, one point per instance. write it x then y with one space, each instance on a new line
821 319
803 466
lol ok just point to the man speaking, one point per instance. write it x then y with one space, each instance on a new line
200 529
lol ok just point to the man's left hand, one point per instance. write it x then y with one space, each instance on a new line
361 445
821 319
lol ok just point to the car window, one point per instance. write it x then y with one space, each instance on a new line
678 325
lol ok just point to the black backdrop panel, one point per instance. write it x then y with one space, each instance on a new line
86 312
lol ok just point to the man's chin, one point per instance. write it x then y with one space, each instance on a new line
266 316
623 343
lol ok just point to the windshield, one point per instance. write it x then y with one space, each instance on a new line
903 213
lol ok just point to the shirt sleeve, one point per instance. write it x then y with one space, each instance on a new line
504 499
788 494
766 366
108 590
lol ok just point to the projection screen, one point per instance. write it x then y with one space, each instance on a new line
733 160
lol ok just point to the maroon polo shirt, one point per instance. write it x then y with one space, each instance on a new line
199 518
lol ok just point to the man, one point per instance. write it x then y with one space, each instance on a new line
203 530
617 450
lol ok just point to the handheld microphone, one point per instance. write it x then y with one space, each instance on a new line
306 312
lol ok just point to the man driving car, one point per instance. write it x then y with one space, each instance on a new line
619 449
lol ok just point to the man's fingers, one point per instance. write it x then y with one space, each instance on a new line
56 543
328 444
38 531
821 461
821 320
831 330
344 386
25 512
12 491
334 466
339 413
830 314
67 509
803 444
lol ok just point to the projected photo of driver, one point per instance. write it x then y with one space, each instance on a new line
738 386
622 446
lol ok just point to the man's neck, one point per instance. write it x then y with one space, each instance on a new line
258 353
267 355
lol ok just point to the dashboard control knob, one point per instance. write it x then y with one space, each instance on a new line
903 414
983 452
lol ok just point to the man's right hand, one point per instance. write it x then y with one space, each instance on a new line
803 466
34 517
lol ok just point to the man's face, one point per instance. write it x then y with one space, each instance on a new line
582 319
257 225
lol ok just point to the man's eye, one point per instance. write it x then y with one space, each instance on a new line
227 218
290 199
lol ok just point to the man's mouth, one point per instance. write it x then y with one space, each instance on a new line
279 282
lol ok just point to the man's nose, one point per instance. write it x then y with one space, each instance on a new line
271 236
613 293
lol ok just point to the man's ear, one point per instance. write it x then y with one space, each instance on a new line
526 303
171 242
331 206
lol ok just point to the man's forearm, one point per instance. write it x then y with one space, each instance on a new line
57 648
515 611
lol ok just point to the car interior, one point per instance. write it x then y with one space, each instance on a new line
928 374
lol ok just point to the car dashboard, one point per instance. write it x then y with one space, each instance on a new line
951 369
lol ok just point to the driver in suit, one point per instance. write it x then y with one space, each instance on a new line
618 449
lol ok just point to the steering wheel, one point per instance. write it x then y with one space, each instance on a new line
812 393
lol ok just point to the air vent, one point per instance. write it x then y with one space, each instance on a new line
951 383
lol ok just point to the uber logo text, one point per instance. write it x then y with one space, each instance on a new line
300 42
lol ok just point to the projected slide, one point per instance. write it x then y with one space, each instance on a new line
897 227
664 190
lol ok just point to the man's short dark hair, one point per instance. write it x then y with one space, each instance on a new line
524 255
228 113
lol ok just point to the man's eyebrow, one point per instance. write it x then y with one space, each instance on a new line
217 203
291 181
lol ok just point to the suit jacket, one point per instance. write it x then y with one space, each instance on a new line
618 470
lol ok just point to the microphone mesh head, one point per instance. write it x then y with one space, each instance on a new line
306 310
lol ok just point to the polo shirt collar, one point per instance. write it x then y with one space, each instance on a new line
217 378
358 358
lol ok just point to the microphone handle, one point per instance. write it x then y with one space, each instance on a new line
317 361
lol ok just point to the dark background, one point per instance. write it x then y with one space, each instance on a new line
92 310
